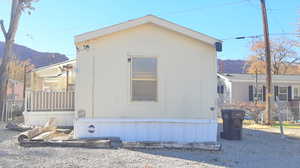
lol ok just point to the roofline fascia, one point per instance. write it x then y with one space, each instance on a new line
143 20
263 81
52 65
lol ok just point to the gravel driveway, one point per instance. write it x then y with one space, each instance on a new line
259 148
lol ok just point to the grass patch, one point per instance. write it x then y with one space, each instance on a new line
287 125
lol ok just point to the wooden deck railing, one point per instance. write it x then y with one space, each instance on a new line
50 100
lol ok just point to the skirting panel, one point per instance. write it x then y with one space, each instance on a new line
161 130
39 118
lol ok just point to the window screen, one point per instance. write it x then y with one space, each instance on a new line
144 79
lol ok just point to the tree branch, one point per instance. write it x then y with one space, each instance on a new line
3 28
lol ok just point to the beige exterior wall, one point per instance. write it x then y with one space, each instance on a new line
186 75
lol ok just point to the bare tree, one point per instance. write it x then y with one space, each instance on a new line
285 59
17 7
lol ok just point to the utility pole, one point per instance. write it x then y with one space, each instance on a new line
268 63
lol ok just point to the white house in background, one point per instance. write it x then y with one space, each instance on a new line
234 88
146 79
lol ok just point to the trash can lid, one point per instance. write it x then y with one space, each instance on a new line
233 113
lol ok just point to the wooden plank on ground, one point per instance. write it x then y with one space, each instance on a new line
73 143
173 145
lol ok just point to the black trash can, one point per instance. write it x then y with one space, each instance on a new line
232 124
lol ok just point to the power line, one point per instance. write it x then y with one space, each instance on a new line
260 35
254 6
276 19
205 7
284 9
279 23
271 11
176 12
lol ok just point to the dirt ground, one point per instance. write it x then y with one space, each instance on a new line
259 148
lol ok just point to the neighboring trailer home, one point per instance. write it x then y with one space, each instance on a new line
55 77
146 80
235 88
50 92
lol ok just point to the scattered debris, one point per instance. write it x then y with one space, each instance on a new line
48 132
50 135
61 136
17 127
30 134
44 136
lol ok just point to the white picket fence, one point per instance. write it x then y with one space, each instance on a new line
50 101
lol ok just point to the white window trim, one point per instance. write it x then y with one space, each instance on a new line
287 93
293 93
141 55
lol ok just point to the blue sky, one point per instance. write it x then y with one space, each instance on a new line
54 23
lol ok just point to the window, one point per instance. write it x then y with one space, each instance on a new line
220 89
143 79
283 93
297 93
259 94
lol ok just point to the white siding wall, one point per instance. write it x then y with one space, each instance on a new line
186 75
162 130
240 90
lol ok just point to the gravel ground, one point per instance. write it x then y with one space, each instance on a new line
259 148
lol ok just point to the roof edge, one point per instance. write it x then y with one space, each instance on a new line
143 20
225 77
53 65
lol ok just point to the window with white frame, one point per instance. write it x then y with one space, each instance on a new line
259 95
296 93
144 79
283 93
